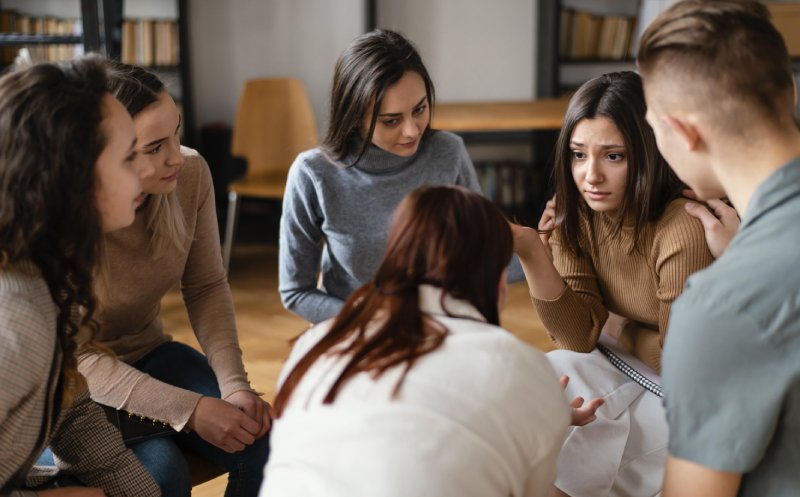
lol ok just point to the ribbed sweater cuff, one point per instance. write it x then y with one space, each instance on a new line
231 376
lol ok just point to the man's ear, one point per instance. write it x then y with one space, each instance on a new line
686 130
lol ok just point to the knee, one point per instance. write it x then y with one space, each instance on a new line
165 463
254 456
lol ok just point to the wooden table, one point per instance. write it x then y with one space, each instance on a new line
482 117
533 121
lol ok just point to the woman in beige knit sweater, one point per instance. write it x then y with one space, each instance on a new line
624 244
67 172
206 398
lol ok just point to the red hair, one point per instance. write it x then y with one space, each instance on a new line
444 236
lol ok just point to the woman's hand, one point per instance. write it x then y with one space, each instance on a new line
255 407
547 223
527 243
223 425
720 221
581 414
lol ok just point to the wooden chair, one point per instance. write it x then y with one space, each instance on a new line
274 123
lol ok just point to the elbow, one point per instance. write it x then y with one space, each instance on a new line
289 299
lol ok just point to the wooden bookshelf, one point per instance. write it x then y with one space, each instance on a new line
103 33
583 37
16 39
50 38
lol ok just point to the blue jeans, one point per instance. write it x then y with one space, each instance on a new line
184 367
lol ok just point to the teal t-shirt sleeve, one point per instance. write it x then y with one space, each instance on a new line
724 386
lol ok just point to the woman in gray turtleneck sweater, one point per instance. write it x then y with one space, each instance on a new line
378 147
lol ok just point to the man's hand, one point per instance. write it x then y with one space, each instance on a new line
255 407
720 221
223 425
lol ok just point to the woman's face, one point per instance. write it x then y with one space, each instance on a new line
599 163
119 175
159 145
403 117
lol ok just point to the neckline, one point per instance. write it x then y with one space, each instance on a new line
378 161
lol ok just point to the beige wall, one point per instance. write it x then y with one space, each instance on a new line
236 40
474 49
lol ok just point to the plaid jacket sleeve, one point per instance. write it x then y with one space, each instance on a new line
88 446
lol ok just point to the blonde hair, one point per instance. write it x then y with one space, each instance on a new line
137 89
166 224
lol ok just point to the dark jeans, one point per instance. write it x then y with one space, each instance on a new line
184 367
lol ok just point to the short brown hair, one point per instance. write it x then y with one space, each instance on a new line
724 53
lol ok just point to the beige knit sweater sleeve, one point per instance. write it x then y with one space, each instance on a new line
575 319
207 295
130 323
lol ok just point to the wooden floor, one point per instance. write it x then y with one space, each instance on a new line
265 327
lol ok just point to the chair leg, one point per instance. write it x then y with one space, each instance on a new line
230 229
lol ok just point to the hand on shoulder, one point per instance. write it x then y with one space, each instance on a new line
720 221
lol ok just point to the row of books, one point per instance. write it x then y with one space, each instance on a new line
584 35
150 42
504 182
13 22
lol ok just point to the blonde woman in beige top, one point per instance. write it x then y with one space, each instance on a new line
623 244
174 239
67 172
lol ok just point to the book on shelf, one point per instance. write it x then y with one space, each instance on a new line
14 22
585 35
150 42
504 182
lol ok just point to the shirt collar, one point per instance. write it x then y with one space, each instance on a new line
780 186
431 302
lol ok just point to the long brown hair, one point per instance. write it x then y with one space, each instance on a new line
371 64
50 139
445 236
651 184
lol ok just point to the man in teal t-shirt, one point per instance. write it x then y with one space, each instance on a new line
720 95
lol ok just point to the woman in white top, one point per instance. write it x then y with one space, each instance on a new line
414 389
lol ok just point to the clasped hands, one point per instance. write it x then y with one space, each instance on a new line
234 423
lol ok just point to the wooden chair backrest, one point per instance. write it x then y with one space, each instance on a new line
274 123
